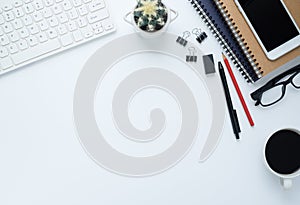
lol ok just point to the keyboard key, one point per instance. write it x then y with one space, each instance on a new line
5 63
66 5
1 31
52 33
17 23
37 16
23 32
82 10
18 12
77 35
32 40
18 3
14 36
36 51
73 14
97 25
28 8
22 44
7 7
82 22
38 4
77 3
87 31
57 9
66 39
48 2
27 20
13 48
53 21
47 12
33 29
43 25
62 29
4 40
3 52
96 5
98 30
71 25
7 27
62 18
97 16
42 37
107 24
9 16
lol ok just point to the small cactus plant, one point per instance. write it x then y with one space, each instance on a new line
150 15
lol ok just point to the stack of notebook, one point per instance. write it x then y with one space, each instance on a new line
236 38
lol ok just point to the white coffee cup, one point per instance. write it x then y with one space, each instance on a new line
285 179
129 18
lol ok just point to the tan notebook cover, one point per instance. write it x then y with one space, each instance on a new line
265 64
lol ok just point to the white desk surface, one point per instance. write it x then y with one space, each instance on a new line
42 161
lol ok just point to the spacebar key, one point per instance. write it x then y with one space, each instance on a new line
35 51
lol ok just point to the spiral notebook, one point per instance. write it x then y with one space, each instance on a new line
248 42
226 25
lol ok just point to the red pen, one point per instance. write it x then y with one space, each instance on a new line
238 91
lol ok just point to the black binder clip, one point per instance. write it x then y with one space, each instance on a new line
192 56
182 40
200 35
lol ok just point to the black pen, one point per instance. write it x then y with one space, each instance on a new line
231 110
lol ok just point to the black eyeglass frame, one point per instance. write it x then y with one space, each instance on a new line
257 95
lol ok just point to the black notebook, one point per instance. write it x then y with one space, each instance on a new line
209 12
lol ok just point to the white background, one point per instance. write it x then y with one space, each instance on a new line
42 162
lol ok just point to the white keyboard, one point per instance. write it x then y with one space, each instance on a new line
34 29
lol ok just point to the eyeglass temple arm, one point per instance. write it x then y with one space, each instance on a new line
290 71
256 95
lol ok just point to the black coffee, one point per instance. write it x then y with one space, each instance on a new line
283 152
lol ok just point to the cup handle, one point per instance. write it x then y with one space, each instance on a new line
286 183
126 17
175 15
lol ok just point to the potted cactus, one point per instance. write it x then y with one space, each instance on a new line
150 17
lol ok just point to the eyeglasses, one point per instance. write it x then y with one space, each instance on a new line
274 90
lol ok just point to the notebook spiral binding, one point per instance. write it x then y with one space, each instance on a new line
216 33
236 33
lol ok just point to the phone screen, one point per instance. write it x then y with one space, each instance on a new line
271 21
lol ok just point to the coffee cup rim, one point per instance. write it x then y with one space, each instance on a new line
285 176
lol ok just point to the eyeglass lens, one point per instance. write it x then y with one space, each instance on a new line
296 80
276 93
272 95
